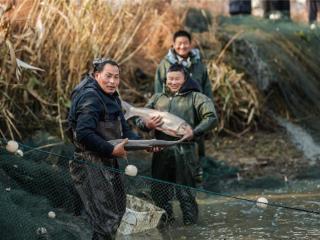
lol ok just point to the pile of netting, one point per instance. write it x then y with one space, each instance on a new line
39 201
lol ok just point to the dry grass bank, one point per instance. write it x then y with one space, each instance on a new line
45 54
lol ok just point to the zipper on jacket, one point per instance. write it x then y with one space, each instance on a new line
170 100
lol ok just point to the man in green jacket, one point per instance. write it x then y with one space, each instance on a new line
183 53
179 163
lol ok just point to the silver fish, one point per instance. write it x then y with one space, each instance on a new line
134 145
172 124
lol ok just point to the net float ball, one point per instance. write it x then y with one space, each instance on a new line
262 202
51 214
131 170
12 146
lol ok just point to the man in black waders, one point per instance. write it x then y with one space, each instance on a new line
95 117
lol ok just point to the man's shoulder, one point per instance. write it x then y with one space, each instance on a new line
156 96
164 62
86 96
154 99
199 96
89 92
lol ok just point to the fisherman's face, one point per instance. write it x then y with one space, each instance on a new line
175 80
109 78
182 46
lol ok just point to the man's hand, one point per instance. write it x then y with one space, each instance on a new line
188 135
154 122
119 151
154 149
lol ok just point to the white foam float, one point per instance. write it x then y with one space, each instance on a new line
12 146
131 170
51 214
262 202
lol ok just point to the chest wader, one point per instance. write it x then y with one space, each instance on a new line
101 189
176 164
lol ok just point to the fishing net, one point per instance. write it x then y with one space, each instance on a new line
38 182
281 58
39 201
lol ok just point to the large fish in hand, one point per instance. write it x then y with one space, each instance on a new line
133 145
172 124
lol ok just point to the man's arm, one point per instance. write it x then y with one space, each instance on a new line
206 114
87 118
127 131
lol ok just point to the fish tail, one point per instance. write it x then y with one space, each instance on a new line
128 113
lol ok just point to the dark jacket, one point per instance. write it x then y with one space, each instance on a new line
91 105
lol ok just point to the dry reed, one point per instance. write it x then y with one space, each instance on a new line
62 38
237 101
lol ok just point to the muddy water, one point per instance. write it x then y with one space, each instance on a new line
226 218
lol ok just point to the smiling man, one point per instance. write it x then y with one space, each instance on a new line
180 163
183 53
96 117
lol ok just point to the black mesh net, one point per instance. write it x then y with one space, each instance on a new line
39 201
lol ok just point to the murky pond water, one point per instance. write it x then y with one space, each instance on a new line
227 218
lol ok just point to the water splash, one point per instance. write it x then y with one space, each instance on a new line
302 139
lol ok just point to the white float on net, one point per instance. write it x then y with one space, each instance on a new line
131 170
51 214
12 146
262 202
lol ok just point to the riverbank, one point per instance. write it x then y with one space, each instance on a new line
260 159
259 153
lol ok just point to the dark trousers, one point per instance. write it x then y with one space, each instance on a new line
177 165
314 6
163 193
102 193
201 147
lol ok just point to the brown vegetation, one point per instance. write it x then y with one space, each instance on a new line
237 101
63 37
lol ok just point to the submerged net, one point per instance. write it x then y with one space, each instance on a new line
38 182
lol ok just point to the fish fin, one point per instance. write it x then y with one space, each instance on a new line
127 109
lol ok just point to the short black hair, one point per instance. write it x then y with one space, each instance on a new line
177 67
181 33
99 63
